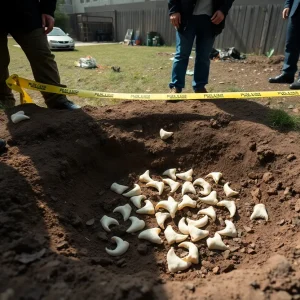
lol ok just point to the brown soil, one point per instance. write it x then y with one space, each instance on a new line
56 174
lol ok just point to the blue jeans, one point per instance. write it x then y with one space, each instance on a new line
292 48
201 28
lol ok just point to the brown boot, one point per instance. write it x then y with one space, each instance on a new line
201 91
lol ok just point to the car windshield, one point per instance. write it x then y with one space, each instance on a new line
56 32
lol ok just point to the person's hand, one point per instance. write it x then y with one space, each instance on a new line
285 13
218 17
48 23
175 20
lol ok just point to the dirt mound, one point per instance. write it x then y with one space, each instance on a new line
56 176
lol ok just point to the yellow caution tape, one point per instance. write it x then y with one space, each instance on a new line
18 84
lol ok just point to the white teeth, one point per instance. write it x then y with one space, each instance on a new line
107 221
165 134
122 247
174 237
186 202
187 176
18 117
211 199
193 255
151 235
209 212
205 185
157 185
188 188
175 263
259 212
136 191
161 218
183 228
118 188
216 243
173 184
171 173
137 200
230 205
145 177
171 206
197 234
124 210
229 230
228 191
198 223
216 176
148 209
136 225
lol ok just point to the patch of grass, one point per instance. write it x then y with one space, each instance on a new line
282 120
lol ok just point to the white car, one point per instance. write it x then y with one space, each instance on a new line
58 39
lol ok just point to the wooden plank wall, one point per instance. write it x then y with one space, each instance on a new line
250 28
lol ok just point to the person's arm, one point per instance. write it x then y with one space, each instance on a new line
220 14
288 3
226 7
287 7
174 7
47 9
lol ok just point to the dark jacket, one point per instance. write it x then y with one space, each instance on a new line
24 15
186 9
293 5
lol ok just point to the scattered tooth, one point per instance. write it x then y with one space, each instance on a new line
259 212
161 218
216 176
136 225
118 188
151 235
175 263
174 237
186 202
205 185
122 247
229 230
137 200
230 205
211 199
157 185
228 191
173 184
209 212
18 117
197 234
165 134
171 206
193 255
187 176
124 210
136 191
183 227
108 221
170 173
198 223
188 187
148 209
145 177
216 243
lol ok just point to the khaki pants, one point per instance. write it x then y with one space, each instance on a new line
44 68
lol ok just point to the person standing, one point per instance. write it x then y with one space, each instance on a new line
292 49
200 19
29 22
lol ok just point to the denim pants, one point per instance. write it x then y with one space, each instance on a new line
201 28
292 48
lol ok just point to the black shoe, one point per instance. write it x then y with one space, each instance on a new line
295 85
69 105
282 78
2 145
174 91
201 91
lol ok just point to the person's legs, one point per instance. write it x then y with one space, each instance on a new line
184 45
205 38
6 97
44 68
